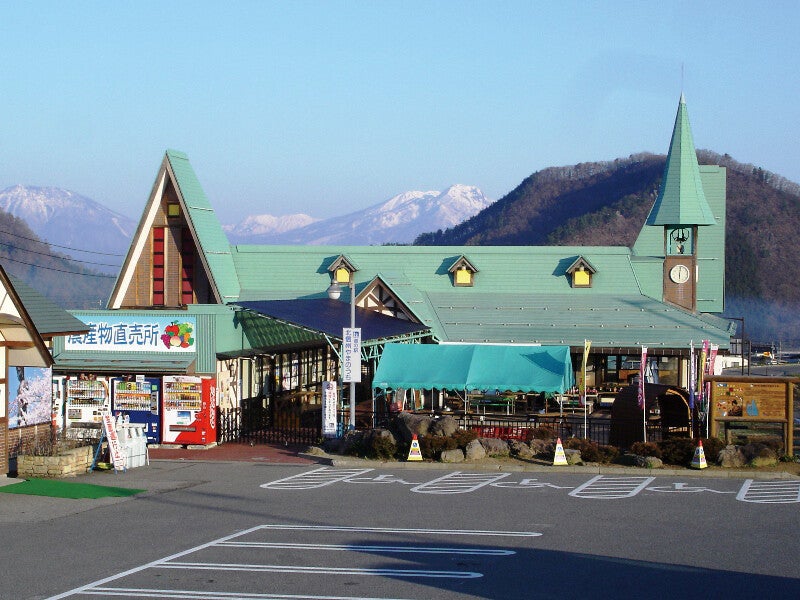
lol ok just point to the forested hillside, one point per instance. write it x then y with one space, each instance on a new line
65 282
606 203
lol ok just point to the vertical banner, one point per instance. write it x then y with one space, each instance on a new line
118 456
642 398
642 370
701 369
582 381
692 375
330 405
351 354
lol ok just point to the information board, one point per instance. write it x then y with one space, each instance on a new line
749 399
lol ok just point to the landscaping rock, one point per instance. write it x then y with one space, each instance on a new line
475 451
520 449
731 457
444 426
539 447
455 455
649 462
494 446
573 456
408 424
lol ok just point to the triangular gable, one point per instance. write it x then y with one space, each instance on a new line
210 241
379 296
579 263
18 334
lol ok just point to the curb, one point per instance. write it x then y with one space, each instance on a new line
594 469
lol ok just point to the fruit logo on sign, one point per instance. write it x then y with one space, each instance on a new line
178 335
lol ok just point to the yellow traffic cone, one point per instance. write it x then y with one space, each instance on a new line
559 459
699 458
414 453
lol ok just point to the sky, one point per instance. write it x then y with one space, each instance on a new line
329 107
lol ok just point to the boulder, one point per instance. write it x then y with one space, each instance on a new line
649 462
456 455
444 426
494 446
731 456
539 447
407 424
520 449
759 455
573 456
475 451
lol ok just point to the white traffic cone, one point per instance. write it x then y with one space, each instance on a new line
699 458
559 459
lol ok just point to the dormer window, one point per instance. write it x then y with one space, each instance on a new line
581 273
173 209
463 272
342 270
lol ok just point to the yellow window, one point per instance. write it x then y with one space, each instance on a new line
581 278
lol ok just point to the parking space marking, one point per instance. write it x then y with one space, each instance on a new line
606 487
769 492
458 483
372 548
200 595
316 478
243 540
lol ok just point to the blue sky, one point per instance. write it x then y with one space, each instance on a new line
329 107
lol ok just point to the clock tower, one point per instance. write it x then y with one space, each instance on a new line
681 211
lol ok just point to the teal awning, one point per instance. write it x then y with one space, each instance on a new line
475 367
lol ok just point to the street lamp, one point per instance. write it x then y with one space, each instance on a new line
334 293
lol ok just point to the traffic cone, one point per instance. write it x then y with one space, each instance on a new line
414 453
699 458
559 459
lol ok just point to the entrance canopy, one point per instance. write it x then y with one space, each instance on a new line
475 367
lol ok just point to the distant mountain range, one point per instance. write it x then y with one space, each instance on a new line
396 221
68 220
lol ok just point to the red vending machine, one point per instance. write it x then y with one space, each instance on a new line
189 410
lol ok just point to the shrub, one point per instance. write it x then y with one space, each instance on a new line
680 451
646 449
381 447
592 451
543 433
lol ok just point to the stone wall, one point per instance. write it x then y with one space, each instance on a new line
67 464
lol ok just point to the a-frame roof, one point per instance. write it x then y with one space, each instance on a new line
681 200
211 242
49 318
23 342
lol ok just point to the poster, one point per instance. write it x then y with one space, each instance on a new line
30 396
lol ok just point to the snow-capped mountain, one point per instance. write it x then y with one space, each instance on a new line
259 225
397 220
67 219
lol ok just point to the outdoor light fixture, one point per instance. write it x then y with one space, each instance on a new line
334 293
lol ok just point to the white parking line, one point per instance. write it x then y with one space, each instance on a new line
199 595
315 478
769 492
174 562
606 487
458 483
372 548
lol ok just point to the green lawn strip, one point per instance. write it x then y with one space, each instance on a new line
66 489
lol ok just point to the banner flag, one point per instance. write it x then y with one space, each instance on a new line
582 381
642 368
692 375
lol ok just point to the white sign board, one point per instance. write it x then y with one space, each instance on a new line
351 354
330 404
118 456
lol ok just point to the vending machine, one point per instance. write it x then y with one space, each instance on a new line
139 400
84 402
189 410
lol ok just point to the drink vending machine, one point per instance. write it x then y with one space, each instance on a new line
139 400
189 410
84 403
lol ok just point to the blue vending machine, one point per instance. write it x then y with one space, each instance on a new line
139 399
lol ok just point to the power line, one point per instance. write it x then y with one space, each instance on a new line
57 246
59 270
86 262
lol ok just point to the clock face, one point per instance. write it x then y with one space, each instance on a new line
679 273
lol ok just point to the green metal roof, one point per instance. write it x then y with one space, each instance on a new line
49 318
521 295
212 242
681 200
